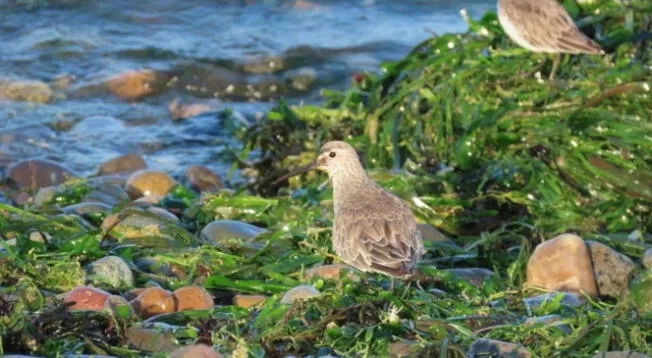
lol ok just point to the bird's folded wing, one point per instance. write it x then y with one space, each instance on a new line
546 24
386 243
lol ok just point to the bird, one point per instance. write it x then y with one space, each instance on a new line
373 229
544 26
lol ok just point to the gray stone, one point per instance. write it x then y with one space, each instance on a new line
647 258
551 320
474 275
301 292
86 208
568 299
146 229
483 348
220 231
613 270
44 195
111 272
151 339
620 354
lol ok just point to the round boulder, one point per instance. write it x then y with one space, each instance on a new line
302 292
613 270
111 272
149 183
192 298
562 264
153 301
203 179
127 163
86 298
38 173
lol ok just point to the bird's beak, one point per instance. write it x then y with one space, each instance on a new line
298 171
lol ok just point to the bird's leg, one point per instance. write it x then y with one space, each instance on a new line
555 65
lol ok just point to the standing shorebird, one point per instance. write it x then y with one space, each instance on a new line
373 230
544 26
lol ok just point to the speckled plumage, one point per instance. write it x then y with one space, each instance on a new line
543 26
373 229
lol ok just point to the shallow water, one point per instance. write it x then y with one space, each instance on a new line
207 46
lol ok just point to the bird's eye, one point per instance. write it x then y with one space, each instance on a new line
331 154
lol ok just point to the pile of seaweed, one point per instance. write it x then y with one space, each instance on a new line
468 130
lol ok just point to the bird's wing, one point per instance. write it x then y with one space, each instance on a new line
546 25
385 240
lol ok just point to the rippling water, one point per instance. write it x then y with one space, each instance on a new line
263 49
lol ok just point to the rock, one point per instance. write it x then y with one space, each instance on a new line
483 347
155 266
137 226
108 190
133 293
195 351
403 348
203 179
302 292
86 208
562 264
86 298
151 339
38 173
264 64
647 259
186 110
149 182
247 301
193 298
20 90
640 291
127 163
330 272
153 301
437 292
568 299
45 195
133 85
220 231
39 236
301 79
620 354
162 213
551 320
111 272
146 201
474 275
612 270
20 198
430 233
119 307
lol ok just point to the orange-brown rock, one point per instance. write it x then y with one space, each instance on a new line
193 298
38 173
203 179
127 163
330 272
186 110
153 301
86 298
133 85
149 183
247 301
562 264
133 293
195 351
